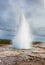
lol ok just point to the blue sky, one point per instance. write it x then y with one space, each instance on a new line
10 11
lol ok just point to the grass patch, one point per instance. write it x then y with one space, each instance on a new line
5 42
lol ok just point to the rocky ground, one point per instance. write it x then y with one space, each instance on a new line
34 56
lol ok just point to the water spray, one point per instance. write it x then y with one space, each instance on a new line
23 39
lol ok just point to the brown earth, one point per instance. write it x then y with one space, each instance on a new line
34 56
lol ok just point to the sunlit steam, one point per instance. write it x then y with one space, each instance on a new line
23 40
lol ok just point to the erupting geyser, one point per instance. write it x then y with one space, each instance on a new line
23 39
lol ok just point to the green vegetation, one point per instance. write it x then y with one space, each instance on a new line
37 43
5 42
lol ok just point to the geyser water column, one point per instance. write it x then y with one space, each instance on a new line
23 39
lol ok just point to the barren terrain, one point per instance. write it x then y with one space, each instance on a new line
34 56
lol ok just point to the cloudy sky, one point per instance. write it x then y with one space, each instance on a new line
33 10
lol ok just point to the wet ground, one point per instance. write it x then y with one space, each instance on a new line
10 56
